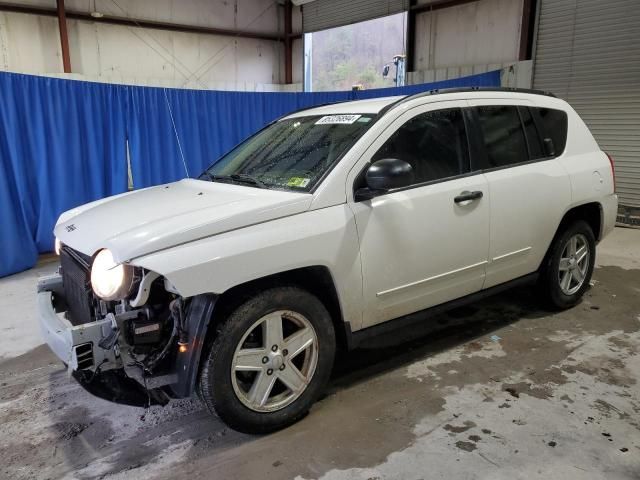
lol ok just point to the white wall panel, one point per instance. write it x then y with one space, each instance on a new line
29 44
482 32
113 53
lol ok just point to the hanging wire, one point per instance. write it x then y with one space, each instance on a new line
174 60
175 130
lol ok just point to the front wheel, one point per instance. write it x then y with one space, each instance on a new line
567 272
270 360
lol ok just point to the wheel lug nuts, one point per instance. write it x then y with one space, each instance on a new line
274 348
265 359
285 352
282 367
270 371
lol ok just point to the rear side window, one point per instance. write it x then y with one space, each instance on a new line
553 124
503 135
534 139
434 143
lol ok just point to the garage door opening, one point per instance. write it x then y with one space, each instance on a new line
354 55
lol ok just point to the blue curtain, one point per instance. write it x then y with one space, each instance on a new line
63 143
206 124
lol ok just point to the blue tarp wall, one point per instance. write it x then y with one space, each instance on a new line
63 143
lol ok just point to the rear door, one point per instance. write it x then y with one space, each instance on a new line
528 188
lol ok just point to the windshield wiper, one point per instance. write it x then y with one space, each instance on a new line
243 177
236 177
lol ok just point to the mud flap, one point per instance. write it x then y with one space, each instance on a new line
199 314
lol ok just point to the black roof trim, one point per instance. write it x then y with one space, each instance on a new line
438 91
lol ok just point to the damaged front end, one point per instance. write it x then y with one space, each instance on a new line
141 350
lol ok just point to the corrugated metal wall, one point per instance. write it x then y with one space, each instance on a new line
323 14
588 52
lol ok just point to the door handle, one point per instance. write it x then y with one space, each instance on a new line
467 196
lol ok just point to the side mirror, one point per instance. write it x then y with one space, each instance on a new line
549 149
383 175
385 70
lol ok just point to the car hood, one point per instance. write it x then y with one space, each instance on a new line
145 221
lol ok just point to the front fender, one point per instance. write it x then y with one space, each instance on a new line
326 237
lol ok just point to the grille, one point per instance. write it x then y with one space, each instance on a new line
77 286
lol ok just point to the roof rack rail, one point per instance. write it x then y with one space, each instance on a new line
438 91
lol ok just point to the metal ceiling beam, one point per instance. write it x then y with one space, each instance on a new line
132 22
288 42
526 29
64 37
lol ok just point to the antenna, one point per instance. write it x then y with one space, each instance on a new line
176 132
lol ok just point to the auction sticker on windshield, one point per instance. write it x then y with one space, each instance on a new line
298 182
338 119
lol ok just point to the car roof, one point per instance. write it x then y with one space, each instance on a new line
376 105
372 105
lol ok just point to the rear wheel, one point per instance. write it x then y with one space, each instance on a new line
567 272
270 360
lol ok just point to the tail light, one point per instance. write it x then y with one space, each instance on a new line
613 171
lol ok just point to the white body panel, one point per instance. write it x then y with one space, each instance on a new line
527 204
160 217
414 244
390 256
325 237
420 249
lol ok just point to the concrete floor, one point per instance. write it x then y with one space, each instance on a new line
502 389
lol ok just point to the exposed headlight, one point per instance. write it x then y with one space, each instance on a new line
57 246
109 280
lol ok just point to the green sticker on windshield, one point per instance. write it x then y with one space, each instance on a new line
298 182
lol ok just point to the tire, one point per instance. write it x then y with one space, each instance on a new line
235 376
555 289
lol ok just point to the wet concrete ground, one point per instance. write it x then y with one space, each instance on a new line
501 389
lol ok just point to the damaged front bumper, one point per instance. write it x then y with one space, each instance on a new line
98 368
102 365
77 346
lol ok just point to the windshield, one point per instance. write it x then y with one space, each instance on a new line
291 154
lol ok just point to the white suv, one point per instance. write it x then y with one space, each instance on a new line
324 229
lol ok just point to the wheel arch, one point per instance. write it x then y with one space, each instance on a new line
590 212
316 279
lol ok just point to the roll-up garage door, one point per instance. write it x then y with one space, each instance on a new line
588 52
323 14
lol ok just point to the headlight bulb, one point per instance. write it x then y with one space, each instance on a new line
110 281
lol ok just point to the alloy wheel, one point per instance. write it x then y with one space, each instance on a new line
274 361
574 264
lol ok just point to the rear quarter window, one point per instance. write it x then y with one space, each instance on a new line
503 135
553 125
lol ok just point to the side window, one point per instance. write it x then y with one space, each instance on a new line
503 135
534 139
434 143
554 126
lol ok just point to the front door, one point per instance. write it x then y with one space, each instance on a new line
426 243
